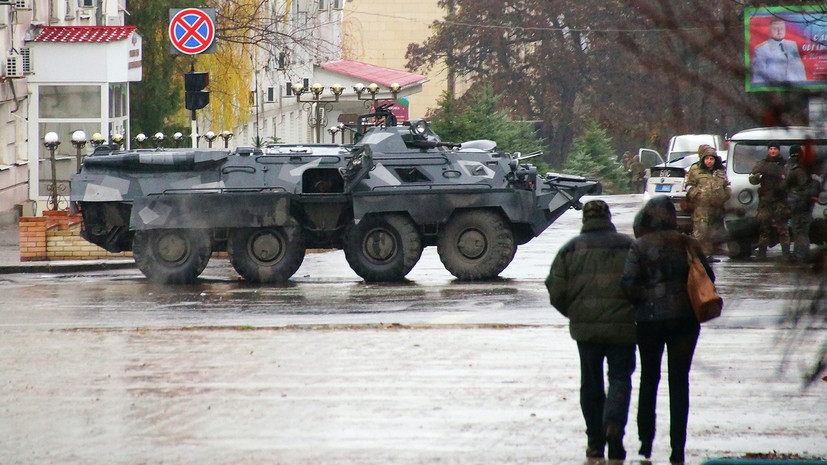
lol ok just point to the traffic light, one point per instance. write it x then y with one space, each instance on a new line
194 83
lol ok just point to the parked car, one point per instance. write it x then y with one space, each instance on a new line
666 176
745 149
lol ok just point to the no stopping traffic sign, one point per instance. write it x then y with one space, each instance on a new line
192 30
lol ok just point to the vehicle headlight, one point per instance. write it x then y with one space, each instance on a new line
745 197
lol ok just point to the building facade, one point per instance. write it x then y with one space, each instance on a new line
66 67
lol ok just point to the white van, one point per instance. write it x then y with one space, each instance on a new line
667 176
745 149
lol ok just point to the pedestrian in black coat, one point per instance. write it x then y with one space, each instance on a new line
654 280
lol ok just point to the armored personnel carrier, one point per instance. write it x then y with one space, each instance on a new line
398 189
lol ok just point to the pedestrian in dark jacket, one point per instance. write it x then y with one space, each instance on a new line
654 279
584 285
802 193
773 213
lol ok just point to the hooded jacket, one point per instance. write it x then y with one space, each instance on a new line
657 267
707 187
584 285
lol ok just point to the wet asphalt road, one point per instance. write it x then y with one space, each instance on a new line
104 367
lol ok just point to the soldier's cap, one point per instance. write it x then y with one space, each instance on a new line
774 144
596 210
795 150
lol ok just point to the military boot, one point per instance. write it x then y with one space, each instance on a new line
762 252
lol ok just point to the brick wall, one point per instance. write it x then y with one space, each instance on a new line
56 236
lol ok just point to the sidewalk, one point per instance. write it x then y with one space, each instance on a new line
10 258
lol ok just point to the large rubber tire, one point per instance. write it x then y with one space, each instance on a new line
172 256
266 255
383 248
476 244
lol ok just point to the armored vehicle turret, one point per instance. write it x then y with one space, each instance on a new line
398 189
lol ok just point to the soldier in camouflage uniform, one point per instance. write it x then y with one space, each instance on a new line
637 181
708 192
773 213
802 192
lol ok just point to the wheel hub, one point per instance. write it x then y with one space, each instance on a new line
266 247
172 248
471 243
379 245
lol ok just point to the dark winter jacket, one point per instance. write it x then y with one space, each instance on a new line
584 285
802 188
770 173
656 269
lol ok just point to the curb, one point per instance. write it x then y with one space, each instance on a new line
57 267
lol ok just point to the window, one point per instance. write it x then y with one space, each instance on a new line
117 100
70 101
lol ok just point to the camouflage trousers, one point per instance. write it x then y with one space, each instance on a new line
801 233
708 227
773 217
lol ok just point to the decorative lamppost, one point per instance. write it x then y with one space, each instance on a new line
158 139
97 140
333 131
226 135
316 106
140 139
342 128
79 142
372 89
51 141
210 136
117 139
177 138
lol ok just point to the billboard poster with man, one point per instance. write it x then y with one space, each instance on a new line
786 48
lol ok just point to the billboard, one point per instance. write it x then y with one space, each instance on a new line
786 48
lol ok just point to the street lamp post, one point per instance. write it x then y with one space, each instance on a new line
342 130
158 139
317 106
79 142
372 89
51 141
97 140
117 139
226 135
210 136
140 139
333 132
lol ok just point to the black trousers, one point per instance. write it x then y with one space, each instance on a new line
600 407
679 337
